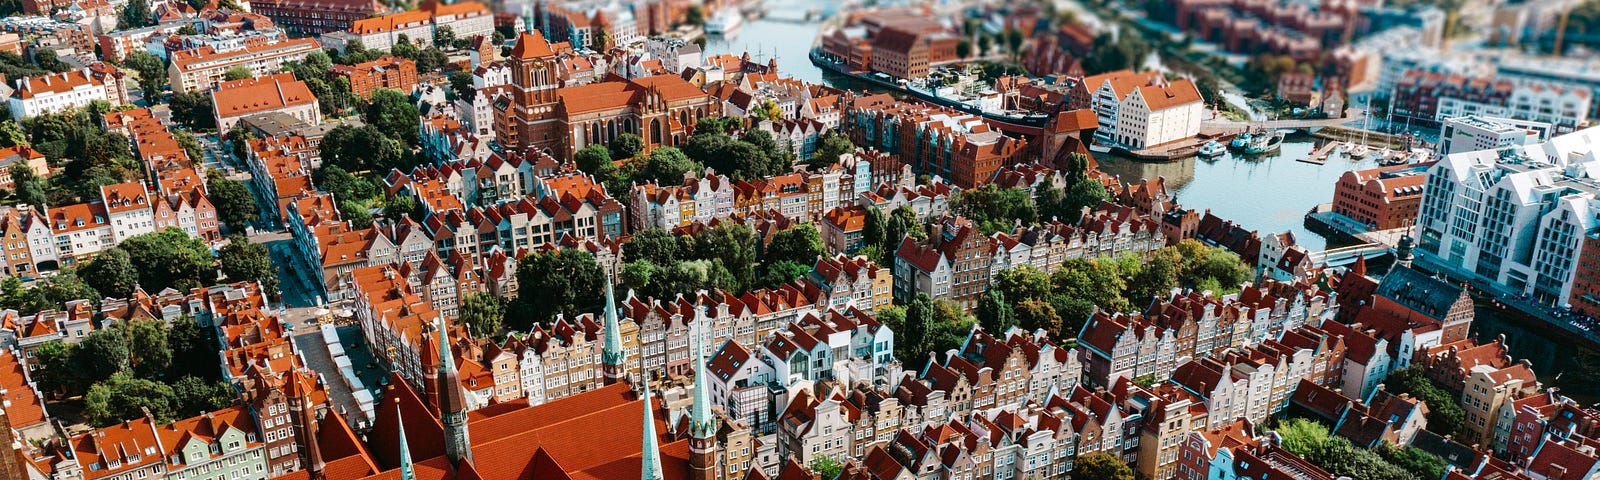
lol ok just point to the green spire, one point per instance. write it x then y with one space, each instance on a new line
613 354
406 471
650 454
701 423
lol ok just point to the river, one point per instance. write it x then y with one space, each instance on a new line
1563 367
789 40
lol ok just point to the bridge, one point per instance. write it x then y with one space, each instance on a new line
1348 255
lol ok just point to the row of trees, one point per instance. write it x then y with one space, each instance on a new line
1062 301
994 209
924 327
121 370
89 156
1313 442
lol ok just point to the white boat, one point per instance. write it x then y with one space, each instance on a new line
1359 151
1343 147
1384 154
725 22
1212 149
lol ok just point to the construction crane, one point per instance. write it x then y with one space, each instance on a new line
1561 30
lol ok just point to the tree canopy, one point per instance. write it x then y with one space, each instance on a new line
249 262
566 281
482 313
170 258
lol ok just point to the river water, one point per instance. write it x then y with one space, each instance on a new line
1269 193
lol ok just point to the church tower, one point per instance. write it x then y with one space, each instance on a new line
612 357
702 424
407 470
452 403
649 453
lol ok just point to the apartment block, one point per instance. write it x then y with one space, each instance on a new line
205 67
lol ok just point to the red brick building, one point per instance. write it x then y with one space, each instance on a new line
962 148
393 73
316 17
1417 95
1381 198
1586 281
907 52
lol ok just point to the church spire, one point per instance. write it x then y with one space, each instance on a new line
650 454
407 472
613 356
702 425
452 403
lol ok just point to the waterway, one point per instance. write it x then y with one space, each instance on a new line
1560 362
789 40
1268 193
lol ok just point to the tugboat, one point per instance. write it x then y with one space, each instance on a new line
1266 143
1212 149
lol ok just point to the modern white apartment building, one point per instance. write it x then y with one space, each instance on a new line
1477 132
64 91
1515 216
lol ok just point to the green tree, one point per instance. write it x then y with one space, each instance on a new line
461 83
443 35
994 314
639 275
913 342
668 165
11 135
171 258
626 145
1101 466
783 272
994 209
242 261
593 159
362 149
193 109
403 206
236 207
566 281
734 245
695 15
237 72
653 244
964 48
1022 283
190 145
902 221
1157 276
392 113
240 136
58 373
874 228
135 14
799 244
483 313
344 186
101 354
194 348
1035 315
830 147
194 395
149 353
357 213
405 48
111 273
825 466
123 397
1445 414
1412 459
152 71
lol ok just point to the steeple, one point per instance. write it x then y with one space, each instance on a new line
1360 268
650 453
452 403
612 357
702 425
407 472
311 453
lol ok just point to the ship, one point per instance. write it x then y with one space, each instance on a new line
725 22
1264 143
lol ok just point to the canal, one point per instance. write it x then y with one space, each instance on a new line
1268 194
789 40
1560 361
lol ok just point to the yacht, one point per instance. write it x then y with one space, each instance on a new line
1360 151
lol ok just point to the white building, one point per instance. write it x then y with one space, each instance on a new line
1159 113
1515 216
464 20
205 67
674 53
1565 107
128 209
1477 132
64 91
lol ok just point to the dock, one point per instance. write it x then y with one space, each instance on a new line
1320 155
